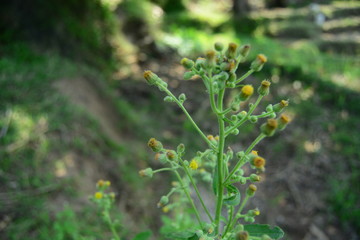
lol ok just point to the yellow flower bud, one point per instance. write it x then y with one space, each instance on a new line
259 162
98 195
193 164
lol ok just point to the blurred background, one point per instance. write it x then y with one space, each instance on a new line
74 109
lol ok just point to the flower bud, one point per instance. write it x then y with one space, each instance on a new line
269 108
161 157
228 66
169 99
246 92
263 90
253 213
98 195
219 46
243 235
283 121
232 77
258 162
258 63
269 127
171 155
244 52
182 97
251 190
151 77
188 75
254 178
231 51
148 172
155 145
210 58
241 115
193 164
200 63
253 119
187 63
280 106
180 149
249 219
163 201
235 132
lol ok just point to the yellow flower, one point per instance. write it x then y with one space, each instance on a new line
100 183
193 165
98 195
262 58
255 152
107 183
259 162
247 90
165 209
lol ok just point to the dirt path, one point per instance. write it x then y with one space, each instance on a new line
83 93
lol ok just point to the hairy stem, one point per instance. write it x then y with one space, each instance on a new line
220 162
188 116
196 189
242 161
189 198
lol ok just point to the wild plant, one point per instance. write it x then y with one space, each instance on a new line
218 166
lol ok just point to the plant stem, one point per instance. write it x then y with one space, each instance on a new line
235 218
162 169
244 76
111 225
189 198
196 189
230 220
242 160
251 110
220 163
188 116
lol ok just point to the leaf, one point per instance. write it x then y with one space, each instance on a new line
234 198
258 230
182 235
143 235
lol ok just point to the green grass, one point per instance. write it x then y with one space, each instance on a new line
39 128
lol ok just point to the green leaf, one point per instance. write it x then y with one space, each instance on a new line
258 230
143 235
182 235
234 196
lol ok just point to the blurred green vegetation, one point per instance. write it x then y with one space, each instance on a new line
45 40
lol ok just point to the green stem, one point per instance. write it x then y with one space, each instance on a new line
188 116
230 220
251 110
242 161
219 201
189 198
264 114
244 76
235 218
111 225
196 189
162 170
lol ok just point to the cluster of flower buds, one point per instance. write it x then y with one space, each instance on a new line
101 197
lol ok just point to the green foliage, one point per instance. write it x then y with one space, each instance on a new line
258 230
218 73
